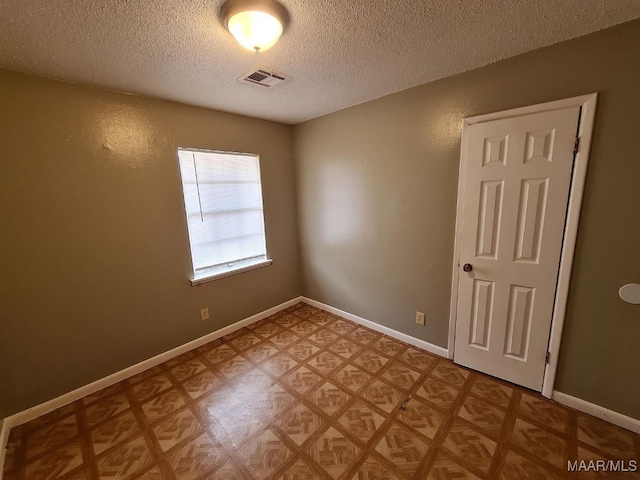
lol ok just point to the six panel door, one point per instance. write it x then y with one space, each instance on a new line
518 177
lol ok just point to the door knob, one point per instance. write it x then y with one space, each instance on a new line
467 267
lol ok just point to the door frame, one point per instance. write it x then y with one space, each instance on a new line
578 177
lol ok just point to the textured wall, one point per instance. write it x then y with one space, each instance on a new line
377 190
94 249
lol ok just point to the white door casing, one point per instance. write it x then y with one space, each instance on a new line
514 193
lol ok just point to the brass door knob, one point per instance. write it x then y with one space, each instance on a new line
467 267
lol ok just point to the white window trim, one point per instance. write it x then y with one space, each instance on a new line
227 271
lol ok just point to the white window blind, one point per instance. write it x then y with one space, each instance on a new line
223 203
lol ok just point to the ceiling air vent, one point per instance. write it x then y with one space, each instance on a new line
264 77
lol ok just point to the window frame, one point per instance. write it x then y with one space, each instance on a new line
234 267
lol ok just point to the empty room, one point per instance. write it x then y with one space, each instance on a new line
289 240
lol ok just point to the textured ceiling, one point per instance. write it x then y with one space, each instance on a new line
339 52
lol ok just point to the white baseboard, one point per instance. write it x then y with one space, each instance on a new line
597 411
403 337
46 407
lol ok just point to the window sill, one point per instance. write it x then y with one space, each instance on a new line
209 277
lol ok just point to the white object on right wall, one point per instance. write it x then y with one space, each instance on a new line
630 293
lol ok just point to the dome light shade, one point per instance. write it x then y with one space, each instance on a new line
255 30
255 24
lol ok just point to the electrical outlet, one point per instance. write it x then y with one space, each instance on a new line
204 314
420 318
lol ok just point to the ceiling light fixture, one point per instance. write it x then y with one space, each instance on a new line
256 24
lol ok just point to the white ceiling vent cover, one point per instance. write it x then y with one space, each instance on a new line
264 77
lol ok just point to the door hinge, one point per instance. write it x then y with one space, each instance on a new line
546 358
576 145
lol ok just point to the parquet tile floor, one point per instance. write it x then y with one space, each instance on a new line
306 395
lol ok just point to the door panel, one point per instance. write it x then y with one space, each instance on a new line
490 217
533 201
518 175
521 301
481 313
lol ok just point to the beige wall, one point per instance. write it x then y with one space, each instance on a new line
93 244
94 253
377 190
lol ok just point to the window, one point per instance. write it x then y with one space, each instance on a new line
223 204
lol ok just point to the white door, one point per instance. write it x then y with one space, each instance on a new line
517 181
